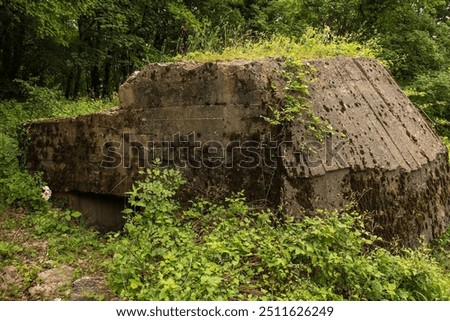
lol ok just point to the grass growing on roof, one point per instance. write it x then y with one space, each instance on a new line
310 45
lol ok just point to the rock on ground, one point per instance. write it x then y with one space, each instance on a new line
51 282
90 288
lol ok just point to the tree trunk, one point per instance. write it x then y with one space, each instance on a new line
76 87
106 78
94 90
69 85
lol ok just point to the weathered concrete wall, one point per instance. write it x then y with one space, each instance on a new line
205 118
390 161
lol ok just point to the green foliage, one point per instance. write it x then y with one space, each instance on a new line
230 251
8 155
36 36
17 186
7 250
289 107
56 222
312 44
48 18
291 101
154 194
87 47
22 189
41 102
432 92
56 225
414 35
441 250
293 17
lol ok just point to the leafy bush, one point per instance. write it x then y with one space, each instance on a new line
22 189
56 222
441 250
17 186
232 252
411 52
431 92
12 114
8 155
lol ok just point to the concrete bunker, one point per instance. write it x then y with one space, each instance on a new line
205 118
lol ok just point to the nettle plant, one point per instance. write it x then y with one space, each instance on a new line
291 102
230 251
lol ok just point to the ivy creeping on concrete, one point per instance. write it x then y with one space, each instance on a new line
291 102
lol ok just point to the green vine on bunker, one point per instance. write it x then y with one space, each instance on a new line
291 102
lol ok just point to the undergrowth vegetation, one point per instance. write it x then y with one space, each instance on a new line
17 186
219 251
230 251
32 242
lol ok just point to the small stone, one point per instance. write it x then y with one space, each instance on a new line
9 276
52 281
90 288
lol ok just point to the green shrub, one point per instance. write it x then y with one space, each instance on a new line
431 92
230 251
22 189
441 250
12 114
17 186
8 155
41 103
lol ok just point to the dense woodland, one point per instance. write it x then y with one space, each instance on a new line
63 58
